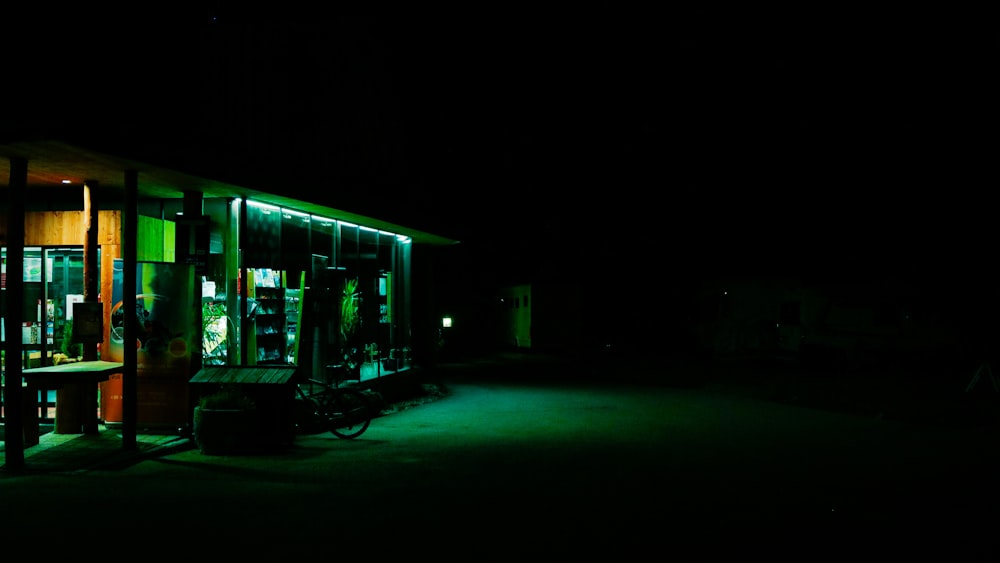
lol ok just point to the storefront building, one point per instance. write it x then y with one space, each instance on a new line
223 276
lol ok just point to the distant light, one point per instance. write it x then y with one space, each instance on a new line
446 322
67 182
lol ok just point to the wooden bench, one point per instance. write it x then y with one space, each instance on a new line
248 375
271 387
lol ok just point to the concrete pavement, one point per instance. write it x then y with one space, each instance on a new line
527 456
946 404
70 453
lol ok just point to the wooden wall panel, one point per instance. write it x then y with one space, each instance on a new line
108 255
169 241
53 227
149 246
110 229
43 228
156 240
50 228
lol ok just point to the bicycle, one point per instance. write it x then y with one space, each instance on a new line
345 411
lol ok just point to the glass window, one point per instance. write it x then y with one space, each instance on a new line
331 253
262 244
348 254
53 282
295 241
321 242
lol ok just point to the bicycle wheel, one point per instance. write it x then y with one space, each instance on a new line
349 412
308 416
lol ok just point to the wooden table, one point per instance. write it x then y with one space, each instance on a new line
82 376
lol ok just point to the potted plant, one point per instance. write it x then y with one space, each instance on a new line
350 322
225 422
214 333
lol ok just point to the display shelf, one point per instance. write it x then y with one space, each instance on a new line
276 318
270 327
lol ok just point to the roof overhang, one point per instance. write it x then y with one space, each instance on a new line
56 169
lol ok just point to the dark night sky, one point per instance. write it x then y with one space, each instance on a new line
677 142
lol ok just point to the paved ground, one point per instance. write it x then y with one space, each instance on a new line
942 402
564 461
73 453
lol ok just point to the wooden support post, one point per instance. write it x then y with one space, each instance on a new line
14 439
29 417
130 329
91 290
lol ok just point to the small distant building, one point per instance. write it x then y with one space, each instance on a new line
516 321
549 316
